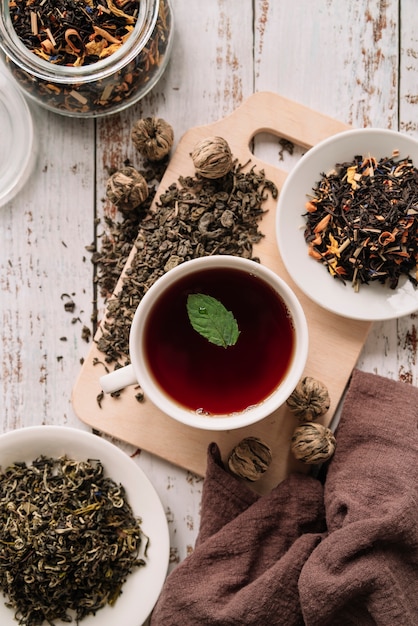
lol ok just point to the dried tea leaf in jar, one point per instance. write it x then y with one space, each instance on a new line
250 459
312 443
212 157
309 400
86 58
60 522
127 189
153 137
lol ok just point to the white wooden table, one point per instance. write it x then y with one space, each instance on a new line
355 61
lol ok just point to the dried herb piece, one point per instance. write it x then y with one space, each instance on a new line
312 443
153 137
212 157
212 320
127 188
250 459
309 400
69 305
69 539
361 221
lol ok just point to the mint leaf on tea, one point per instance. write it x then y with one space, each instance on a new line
212 320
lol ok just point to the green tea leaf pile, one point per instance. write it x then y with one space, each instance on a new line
68 539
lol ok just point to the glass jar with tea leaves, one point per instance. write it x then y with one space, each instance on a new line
86 58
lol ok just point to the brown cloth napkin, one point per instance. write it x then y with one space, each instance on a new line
366 570
340 555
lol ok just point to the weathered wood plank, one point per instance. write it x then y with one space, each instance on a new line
407 346
43 231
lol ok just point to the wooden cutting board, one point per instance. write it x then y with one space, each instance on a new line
335 342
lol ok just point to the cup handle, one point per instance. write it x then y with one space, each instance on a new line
118 379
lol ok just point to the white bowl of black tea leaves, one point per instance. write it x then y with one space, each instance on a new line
347 224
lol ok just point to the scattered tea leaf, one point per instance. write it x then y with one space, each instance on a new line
212 320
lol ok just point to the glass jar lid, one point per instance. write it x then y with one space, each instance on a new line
17 133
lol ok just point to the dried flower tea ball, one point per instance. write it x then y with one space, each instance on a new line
153 137
127 189
309 400
250 459
212 157
312 443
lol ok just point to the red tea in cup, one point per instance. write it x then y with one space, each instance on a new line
212 379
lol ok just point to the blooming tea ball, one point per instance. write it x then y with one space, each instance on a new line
312 443
309 400
212 157
153 137
127 189
250 458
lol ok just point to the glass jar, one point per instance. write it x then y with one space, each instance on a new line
106 86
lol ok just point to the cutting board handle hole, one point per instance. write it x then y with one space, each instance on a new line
276 150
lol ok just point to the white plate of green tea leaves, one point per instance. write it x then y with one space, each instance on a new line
347 224
75 508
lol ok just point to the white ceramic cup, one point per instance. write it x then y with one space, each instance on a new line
138 371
